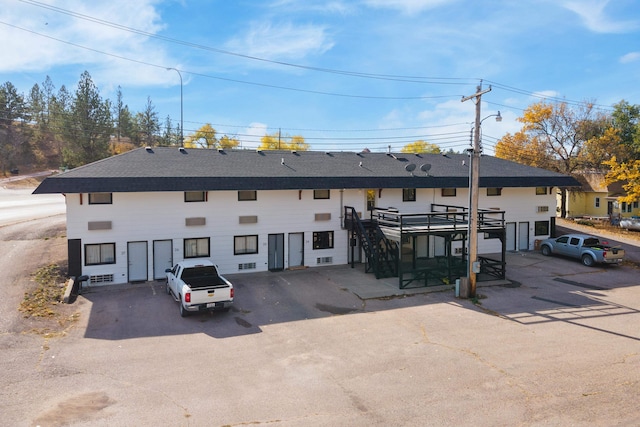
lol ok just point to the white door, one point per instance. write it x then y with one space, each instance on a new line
162 258
511 236
296 249
523 236
137 261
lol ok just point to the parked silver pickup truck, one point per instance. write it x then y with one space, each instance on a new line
197 286
588 249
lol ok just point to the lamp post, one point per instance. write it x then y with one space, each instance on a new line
473 267
181 104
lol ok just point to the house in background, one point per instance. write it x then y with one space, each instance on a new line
131 216
595 199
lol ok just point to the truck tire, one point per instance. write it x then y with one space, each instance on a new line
183 311
545 250
587 260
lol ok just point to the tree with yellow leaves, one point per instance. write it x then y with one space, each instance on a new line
420 147
629 174
276 141
205 137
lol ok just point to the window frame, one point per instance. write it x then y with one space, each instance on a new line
540 226
446 192
93 201
186 241
323 240
409 194
596 202
188 199
236 251
541 191
247 195
319 194
496 190
100 246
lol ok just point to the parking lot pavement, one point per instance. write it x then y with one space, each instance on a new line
559 345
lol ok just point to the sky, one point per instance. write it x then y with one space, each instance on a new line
344 74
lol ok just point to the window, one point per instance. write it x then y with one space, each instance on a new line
597 202
101 253
541 228
196 248
321 194
245 245
194 196
245 195
635 205
448 192
322 239
494 191
541 191
100 198
408 194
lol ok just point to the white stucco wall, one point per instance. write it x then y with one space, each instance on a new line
161 216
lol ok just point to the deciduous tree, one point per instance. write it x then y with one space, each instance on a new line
276 141
421 146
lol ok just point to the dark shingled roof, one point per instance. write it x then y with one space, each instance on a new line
173 169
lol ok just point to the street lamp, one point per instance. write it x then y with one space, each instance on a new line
473 267
181 104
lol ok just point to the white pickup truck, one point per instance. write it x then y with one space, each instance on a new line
197 286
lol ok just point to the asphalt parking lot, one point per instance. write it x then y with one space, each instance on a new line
558 346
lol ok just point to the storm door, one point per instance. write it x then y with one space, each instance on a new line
276 252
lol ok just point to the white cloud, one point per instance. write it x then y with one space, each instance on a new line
252 135
630 57
283 41
407 6
43 39
596 19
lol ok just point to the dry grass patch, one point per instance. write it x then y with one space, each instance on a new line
44 304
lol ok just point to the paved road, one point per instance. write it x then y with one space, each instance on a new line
561 346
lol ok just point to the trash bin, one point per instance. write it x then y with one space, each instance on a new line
536 244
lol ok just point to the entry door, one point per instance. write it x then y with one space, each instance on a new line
137 261
162 257
296 249
511 236
523 236
276 252
74 253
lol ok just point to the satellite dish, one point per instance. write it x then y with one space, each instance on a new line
410 167
425 167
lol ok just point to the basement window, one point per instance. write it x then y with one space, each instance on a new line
448 192
494 191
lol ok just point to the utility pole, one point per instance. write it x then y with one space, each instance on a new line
473 266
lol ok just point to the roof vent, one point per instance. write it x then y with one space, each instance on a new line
294 152
259 151
182 150
282 161
149 149
360 164
220 150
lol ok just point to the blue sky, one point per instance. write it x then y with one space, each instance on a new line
346 75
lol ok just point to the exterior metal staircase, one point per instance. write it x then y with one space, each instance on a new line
381 253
